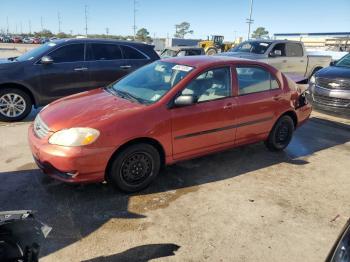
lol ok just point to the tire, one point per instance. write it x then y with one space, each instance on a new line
12 99
281 134
134 168
212 51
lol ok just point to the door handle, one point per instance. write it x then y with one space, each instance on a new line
81 69
228 106
125 67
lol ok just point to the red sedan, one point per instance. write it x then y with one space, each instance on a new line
167 111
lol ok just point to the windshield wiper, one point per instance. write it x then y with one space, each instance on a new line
129 96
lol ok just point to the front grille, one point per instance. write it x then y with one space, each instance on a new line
40 128
333 84
331 101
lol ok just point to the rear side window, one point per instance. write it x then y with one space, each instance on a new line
68 53
294 49
194 52
104 52
254 80
132 53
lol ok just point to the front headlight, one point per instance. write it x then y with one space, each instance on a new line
79 136
312 80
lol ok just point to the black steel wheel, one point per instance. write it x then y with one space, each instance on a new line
135 167
281 134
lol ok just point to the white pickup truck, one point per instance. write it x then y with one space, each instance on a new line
290 57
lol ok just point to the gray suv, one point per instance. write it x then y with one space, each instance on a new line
65 67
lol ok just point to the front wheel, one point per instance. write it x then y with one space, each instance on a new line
135 167
212 51
281 134
15 104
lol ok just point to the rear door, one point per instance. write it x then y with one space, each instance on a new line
296 60
259 95
106 64
68 74
134 58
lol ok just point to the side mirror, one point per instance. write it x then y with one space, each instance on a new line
332 63
46 60
184 100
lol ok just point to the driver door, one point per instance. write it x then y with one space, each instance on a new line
209 122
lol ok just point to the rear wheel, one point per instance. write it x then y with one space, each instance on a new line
15 104
211 51
135 167
281 134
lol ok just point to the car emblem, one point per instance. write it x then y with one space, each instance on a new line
37 127
334 85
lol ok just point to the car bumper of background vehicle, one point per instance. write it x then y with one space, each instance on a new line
69 164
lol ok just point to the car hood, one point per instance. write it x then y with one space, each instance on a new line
86 109
243 55
335 72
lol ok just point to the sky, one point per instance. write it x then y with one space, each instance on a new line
207 17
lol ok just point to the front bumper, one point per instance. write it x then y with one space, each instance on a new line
69 164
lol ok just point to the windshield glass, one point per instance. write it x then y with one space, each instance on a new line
252 47
35 52
168 53
344 62
151 82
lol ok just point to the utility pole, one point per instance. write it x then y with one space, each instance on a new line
134 27
41 23
86 21
30 27
21 28
107 31
249 20
59 22
7 25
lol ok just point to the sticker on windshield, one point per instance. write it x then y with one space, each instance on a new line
182 68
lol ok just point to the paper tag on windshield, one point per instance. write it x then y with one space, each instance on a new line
182 68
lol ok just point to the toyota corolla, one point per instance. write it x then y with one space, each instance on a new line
171 110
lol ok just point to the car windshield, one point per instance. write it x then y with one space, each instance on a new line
252 47
35 52
151 82
344 62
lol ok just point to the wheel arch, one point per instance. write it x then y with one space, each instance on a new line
20 87
146 140
292 115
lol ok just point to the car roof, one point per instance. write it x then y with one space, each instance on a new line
98 40
204 60
273 41
177 48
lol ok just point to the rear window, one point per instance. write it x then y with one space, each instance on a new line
132 53
104 52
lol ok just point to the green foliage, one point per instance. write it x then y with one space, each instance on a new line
143 35
182 30
260 32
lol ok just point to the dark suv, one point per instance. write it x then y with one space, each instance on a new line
65 67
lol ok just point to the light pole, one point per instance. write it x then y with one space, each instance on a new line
249 20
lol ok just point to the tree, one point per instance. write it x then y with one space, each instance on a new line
182 30
260 32
143 35
62 35
45 33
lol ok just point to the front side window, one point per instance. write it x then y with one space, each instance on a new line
294 49
210 85
281 48
132 53
254 80
151 82
68 53
104 52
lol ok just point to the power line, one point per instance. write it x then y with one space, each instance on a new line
86 21
41 23
249 20
30 27
7 25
